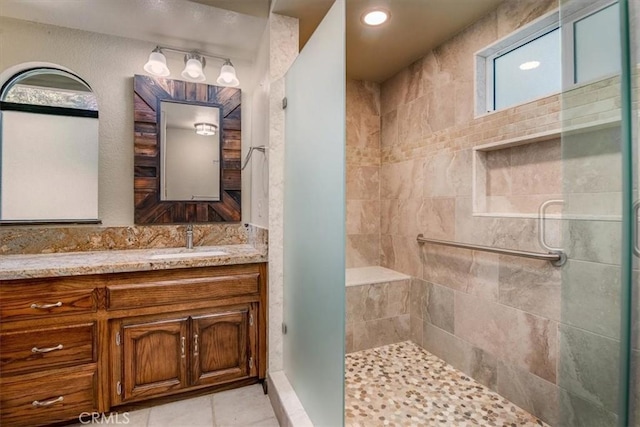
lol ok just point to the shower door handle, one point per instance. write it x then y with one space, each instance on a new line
542 229
634 227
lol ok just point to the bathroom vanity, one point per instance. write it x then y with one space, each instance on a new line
97 331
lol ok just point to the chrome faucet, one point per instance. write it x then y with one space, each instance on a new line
190 236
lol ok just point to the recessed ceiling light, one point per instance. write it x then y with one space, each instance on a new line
376 17
529 65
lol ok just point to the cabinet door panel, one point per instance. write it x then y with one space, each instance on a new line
221 349
154 358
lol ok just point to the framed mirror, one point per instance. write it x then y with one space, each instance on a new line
187 146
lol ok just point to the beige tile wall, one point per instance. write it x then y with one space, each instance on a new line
502 319
363 174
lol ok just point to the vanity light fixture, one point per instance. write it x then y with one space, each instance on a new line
194 66
529 65
206 129
375 17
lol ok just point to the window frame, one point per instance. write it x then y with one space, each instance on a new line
484 58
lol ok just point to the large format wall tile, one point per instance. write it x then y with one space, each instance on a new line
377 301
477 363
448 174
530 392
401 180
511 15
439 309
512 335
589 366
591 297
575 411
363 216
401 254
436 218
530 285
363 250
472 272
374 333
363 183
595 241
389 129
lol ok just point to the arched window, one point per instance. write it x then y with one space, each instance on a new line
48 87
49 148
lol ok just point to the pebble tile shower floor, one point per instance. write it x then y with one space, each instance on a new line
404 385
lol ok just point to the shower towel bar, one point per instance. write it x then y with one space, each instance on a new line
557 259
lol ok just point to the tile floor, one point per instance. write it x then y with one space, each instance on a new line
404 385
242 407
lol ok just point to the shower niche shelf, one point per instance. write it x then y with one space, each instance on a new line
511 178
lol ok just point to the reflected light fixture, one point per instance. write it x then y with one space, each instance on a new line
194 63
205 129
529 65
375 17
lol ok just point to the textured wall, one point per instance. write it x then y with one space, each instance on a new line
283 50
502 319
108 64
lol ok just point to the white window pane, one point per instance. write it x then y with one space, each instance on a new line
597 45
531 71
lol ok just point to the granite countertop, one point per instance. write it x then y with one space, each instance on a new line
118 261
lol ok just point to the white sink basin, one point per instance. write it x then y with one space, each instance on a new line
194 254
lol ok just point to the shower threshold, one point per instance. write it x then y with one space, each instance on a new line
404 385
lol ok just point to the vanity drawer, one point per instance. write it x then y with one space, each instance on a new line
183 290
40 300
46 398
47 348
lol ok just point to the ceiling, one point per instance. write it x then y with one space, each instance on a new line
259 8
175 23
415 27
234 28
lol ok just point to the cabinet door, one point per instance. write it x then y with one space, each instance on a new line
154 358
221 347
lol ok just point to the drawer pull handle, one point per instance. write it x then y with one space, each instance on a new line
182 340
38 404
46 306
47 349
195 345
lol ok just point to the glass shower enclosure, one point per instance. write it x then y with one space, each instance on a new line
598 336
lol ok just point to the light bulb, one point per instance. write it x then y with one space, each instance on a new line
375 17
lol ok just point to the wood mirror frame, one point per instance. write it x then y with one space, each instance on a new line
149 209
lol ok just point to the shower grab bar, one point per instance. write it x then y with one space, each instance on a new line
557 259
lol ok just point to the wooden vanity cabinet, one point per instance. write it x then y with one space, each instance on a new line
49 355
127 337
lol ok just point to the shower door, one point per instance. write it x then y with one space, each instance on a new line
314 222
598 358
